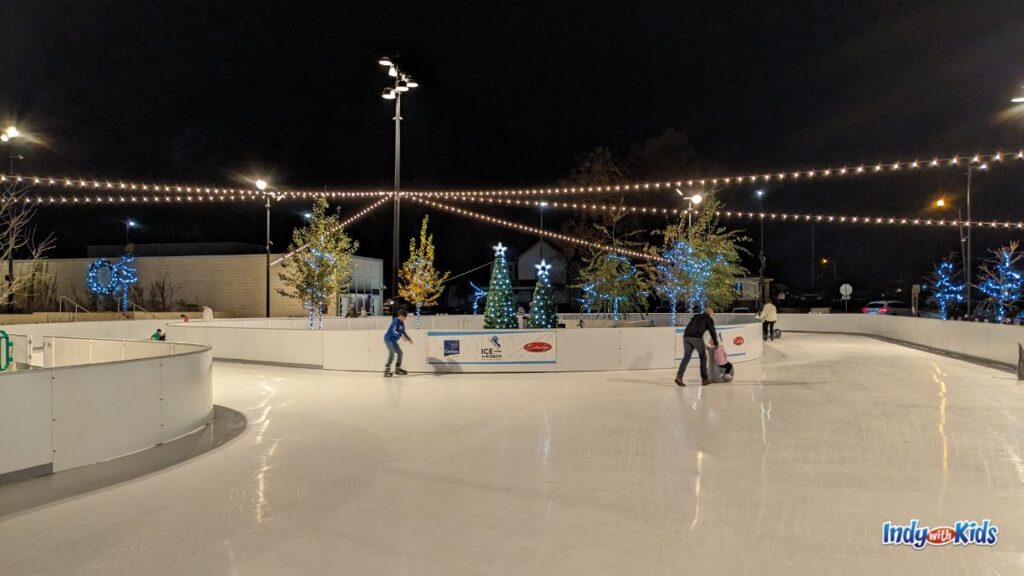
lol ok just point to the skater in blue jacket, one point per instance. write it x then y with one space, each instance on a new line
395 333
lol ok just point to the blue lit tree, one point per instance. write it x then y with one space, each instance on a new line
1002 282
478 295
500 311
700 262
945 288
124 275
612 284
543 312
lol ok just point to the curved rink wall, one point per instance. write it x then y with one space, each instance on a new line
73 401
357 344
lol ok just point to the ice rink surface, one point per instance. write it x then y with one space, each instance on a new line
790 469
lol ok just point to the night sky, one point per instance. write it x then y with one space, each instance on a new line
206 92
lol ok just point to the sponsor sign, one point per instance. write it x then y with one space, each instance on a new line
491 347
726 334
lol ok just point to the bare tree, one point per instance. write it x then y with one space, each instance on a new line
18 239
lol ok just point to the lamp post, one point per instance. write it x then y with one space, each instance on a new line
128 225
942 204
403 83
693 200
975 164
261 185
8 136
542 206
761 257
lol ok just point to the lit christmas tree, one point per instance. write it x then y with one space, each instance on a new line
543 313
421 283
124 275
499 312
1003 283
946 290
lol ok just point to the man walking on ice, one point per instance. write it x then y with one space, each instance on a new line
693 338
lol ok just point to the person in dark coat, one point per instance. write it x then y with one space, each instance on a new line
693 339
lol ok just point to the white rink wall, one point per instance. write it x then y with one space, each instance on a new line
87 400
993 342
358 344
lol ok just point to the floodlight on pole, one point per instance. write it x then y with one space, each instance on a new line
262 186
403 83
1019 97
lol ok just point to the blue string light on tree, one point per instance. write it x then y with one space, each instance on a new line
126 275
1004 284
589 297
478 295
946 290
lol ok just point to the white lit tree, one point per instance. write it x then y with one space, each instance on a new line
420 283
543 312
321 265
500 312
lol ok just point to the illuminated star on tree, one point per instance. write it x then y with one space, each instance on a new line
499 250
542 268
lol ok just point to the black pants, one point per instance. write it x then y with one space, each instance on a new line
689 345
768 330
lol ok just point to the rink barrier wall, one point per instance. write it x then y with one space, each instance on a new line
978 340
357 344
87 400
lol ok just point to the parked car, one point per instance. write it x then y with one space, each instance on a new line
888 307
741 310
987 310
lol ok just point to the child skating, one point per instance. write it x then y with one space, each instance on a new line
395 333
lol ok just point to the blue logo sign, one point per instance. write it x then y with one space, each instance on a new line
963 533
451 347
496 341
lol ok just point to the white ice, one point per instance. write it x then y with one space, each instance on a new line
790 469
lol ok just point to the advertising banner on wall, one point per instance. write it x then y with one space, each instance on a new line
735 343
491 347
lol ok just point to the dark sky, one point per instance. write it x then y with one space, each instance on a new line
511 93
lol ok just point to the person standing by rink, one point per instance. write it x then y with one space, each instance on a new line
395 333
768 316
693 339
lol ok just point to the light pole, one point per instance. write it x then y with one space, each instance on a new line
403 83
693 200
975 164
8 136
128 225
760 279
261 185
941 204
542 206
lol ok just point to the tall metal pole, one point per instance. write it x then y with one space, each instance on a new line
268 255
813 263
10 239
967 271
760 282
398 201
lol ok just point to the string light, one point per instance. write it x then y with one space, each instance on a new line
1005 284
777 216
530 229
771 176
946 291
341 225
478 294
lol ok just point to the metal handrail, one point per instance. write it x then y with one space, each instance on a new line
137 308
74 311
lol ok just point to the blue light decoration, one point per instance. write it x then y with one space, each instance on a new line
478 294
106 278
686 276
946 290
1005 284
589 297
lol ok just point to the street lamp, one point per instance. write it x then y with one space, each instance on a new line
975 164
8 136
403 83
942 204
693 200
760 276
542 205
262 186
1019 98
307 216
128 225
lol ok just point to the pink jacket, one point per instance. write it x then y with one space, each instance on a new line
721 357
